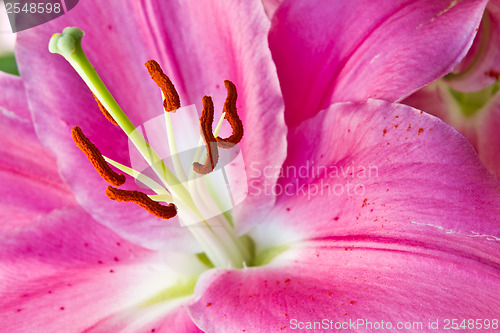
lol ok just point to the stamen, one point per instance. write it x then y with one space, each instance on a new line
197 155
95 156
232 118
104 111
171 101
221 245
206 120
142 199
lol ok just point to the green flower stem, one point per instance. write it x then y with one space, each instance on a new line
68 44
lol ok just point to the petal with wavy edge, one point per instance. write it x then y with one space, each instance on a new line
394 48
322 282
481 66
421 242
375 169
70 273
481 128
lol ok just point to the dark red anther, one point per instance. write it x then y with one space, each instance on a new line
231 117
206 121
142 199
95 157
172 101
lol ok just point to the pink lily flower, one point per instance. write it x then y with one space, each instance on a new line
468 98
384 227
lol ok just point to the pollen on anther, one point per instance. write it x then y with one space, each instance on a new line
232 117
104 111
206 121
141 199
172 100
95 157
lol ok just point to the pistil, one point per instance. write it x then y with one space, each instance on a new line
68 44
171 102
192 197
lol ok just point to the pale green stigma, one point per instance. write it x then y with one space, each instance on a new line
67 42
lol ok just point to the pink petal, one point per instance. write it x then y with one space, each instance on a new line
68 273
31 185
194 48
53 271
64 238
74 300
137 321
329 52
65 101
421 242
481 129
325 281
382 169
481 66
434 99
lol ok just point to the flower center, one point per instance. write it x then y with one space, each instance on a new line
471 102
196 195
